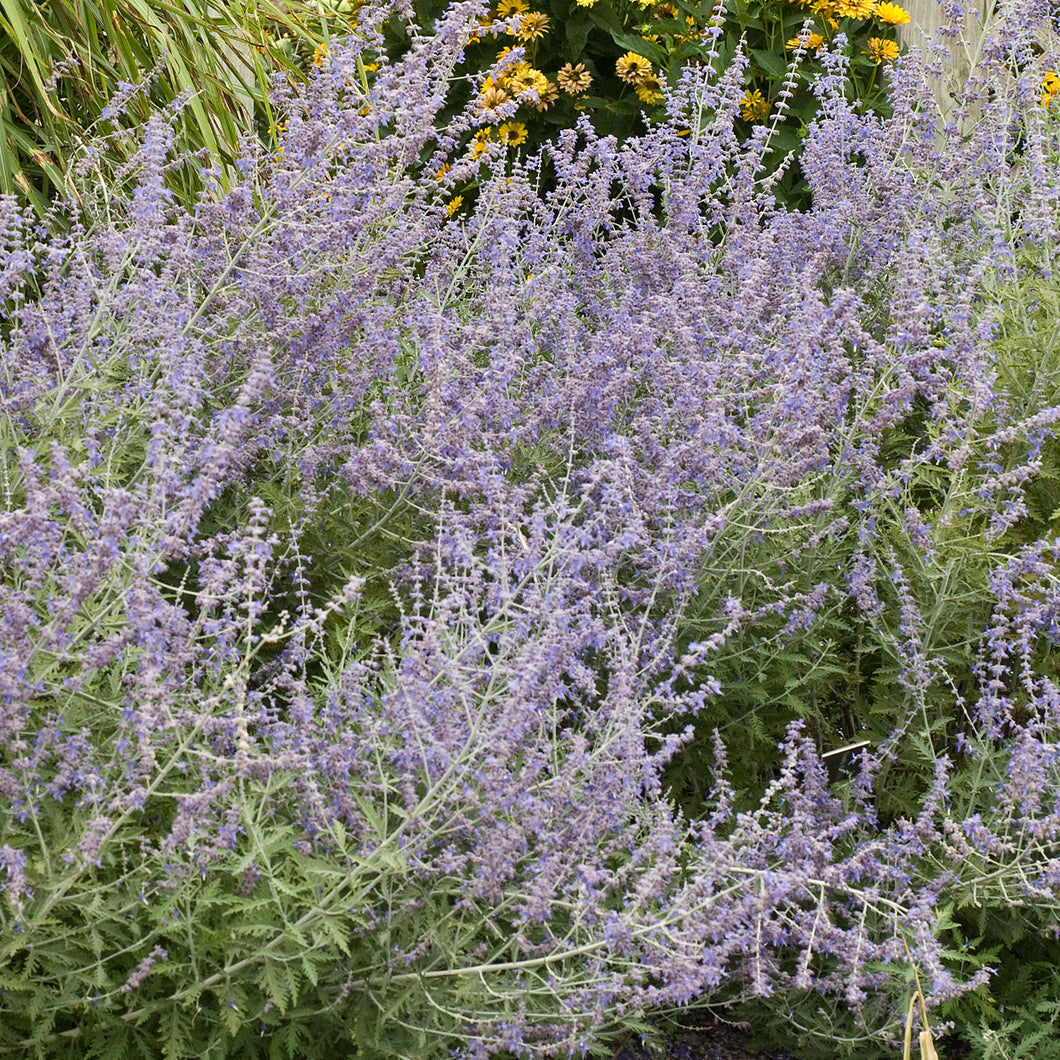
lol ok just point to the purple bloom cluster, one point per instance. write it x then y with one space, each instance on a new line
540 425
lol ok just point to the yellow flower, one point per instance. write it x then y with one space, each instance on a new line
1051 86
484 26
505 77
491 96
634 69
812 42
693 30
507 8
574 79
649 90
454 205
892 13
585 3
880 50
532 26
512 133
320 53
527 80
753 105
853 8
480 142
547 98
442 172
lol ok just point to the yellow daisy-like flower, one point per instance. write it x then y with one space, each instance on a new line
547 98
585 3
533 26
664 11
812 42
892 13
1051 87
529 80
649 90
880 50
512 133
574 79
480 142
504 79
490 96
854 8
634 69
507 8
491 99
753 105
320 53
454 205
442 172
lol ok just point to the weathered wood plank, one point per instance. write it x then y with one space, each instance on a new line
928 16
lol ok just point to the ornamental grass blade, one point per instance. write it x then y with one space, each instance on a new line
225 56
926 1042
13 23
927 1046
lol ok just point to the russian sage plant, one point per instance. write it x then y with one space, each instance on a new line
381 588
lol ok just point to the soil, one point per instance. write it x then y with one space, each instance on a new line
709 1042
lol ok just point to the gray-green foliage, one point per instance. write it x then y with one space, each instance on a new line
840 675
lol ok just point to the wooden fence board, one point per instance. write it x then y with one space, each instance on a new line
928 17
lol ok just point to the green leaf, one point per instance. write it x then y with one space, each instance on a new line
278 981
603 17
176 1032
772 64
309 968
577 32
648 49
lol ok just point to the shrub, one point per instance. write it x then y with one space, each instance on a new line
375 577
